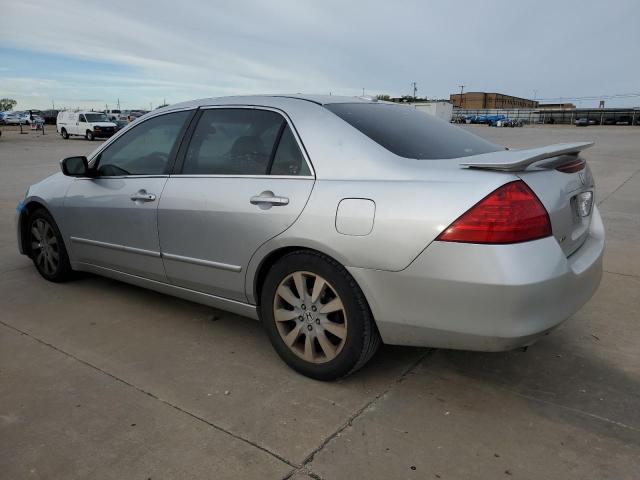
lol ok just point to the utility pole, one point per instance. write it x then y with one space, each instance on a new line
461 97
53 104
415 90
118 104
363 91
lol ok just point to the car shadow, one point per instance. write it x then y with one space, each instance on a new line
588 389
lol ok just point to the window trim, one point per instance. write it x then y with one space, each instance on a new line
173 155
186 141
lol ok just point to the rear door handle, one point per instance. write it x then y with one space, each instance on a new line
268 198
143 196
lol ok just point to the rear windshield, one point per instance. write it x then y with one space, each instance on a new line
410 133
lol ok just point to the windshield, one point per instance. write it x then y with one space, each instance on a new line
410 133
96 117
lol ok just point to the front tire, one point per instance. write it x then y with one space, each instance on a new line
316 316
47 248
89 135
64 134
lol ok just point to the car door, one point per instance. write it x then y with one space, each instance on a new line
80 125
242 179
112 218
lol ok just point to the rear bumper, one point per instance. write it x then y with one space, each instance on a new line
483 297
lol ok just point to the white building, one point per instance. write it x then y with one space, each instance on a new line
442 110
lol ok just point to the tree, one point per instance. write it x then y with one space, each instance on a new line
7 104
383 97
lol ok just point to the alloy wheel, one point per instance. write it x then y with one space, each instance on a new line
44 245
310 317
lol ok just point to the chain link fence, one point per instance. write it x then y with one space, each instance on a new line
593 116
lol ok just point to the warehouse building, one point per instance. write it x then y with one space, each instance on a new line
557 106
483 100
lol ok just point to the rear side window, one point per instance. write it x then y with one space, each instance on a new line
288 159
234 141
409 133
243 141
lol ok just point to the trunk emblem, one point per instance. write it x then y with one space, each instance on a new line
583 178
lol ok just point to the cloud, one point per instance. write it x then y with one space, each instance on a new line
211 48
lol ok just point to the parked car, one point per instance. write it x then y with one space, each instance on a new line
87 124
16 118
2 115
50 116
120 124
340 222
113 114
34 117
582 122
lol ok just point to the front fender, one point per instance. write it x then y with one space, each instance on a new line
49 194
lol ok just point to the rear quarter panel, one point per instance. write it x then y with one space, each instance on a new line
409 214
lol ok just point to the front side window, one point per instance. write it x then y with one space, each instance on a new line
81 118
409 133
233 141
145 149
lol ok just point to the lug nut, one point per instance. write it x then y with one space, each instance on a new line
300 318
303 306
309 327
317 321
313 307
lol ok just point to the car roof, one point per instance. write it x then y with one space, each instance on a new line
269 100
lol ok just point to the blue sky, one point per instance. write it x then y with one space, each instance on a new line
89 54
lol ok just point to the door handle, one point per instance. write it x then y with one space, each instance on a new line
268 198
143 196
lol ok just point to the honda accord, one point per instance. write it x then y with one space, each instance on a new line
339 222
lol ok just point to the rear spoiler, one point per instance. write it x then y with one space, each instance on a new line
517 160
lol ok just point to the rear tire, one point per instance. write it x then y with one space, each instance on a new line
326 331
47 248
89 135
64 134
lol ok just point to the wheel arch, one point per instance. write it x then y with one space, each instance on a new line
274 256
27 209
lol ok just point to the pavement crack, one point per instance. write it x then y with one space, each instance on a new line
155 397
572 409
533 398
622 274
303 468
618 188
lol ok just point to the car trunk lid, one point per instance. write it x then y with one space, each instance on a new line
559 177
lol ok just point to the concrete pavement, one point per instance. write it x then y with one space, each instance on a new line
101 379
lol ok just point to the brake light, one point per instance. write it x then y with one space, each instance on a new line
572 167
510 214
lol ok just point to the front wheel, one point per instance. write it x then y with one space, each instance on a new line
64 134
47 248
89 135
316 316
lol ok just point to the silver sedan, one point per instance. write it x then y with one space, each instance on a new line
339 222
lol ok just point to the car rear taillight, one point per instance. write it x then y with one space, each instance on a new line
510 214
572 167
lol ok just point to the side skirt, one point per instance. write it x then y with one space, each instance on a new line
239 308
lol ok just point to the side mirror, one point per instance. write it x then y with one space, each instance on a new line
75 166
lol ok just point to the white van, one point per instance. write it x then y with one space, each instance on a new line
87 124
113 114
